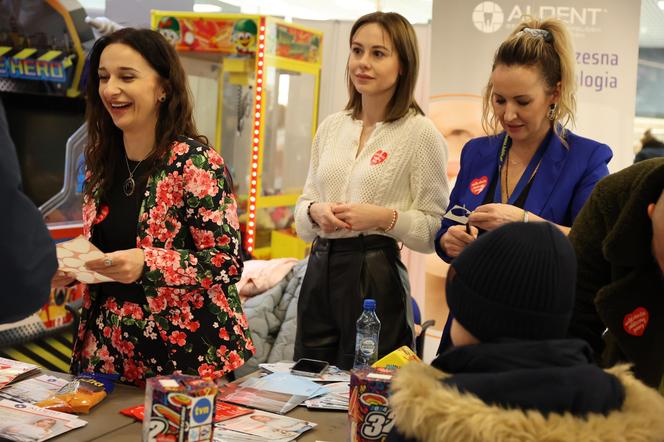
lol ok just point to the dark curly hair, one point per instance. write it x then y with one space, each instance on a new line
104 149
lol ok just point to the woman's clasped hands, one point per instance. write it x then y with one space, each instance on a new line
332 217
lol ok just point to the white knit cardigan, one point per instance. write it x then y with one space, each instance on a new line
402 166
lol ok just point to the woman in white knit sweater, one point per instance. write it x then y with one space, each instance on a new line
377 176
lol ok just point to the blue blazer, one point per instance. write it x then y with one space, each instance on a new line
562 184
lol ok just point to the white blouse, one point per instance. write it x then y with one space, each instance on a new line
402 166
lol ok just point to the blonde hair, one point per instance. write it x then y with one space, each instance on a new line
547 46
404 40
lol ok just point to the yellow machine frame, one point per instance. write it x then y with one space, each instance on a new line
265 56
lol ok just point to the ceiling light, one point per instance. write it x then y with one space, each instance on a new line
660 4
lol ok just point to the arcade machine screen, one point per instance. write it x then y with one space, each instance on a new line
40 126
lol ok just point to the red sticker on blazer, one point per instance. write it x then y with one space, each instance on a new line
378 157
635 323
478 184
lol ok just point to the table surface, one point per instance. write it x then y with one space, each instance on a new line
106 424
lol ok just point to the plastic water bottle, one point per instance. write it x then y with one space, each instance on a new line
366 339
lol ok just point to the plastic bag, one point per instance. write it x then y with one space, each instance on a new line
81 394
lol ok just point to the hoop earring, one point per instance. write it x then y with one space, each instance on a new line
162 98
551 113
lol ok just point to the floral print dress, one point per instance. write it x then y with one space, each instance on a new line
191 321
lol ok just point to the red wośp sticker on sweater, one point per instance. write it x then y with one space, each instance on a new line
635 323
378 157
478 184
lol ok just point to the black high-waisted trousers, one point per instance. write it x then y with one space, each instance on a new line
341 273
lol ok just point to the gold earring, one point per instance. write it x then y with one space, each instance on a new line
162 98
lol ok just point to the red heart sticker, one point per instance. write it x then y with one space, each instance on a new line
635 323
378 157
478 184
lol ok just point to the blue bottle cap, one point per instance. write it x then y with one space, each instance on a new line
370 304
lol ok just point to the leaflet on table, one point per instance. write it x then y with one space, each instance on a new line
221 435
34 389
325 404
28 423
11 370
267 426
336 398
223 411
226 411
261 399
286 383
333 374
72 256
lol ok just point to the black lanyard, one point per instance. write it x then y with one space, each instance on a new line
526 180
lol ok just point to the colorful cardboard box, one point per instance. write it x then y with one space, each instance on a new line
397 359
368 409
179 408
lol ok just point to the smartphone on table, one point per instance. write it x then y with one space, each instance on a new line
309 367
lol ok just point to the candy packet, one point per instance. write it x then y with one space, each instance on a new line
81 394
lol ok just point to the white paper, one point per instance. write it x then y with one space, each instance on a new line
34 389
336 398
29 423
333 374
268 426
72 256
11 370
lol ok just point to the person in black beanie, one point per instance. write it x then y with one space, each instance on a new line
511 372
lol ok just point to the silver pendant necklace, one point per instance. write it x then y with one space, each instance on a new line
129 184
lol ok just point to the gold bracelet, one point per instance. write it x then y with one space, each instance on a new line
395 215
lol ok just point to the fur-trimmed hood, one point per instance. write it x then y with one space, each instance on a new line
428 410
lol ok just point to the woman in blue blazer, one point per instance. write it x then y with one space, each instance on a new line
534 169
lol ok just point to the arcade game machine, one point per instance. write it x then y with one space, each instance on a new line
42 56
255 81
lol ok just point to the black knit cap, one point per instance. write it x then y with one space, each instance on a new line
517 281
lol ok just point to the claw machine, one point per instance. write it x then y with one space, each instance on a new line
255 81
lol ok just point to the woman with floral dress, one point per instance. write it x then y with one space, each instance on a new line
158 204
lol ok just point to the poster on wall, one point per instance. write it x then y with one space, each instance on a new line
465 36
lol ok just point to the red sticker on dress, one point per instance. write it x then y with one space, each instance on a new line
378 157
478 184
635 323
